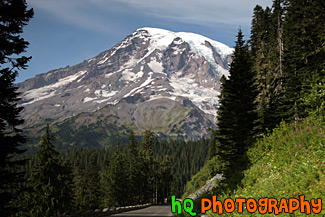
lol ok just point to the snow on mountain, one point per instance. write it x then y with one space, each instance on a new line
204 98
47 91
147 69
161 39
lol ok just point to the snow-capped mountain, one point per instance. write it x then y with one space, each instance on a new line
155 79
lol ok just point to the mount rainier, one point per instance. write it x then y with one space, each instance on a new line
154 79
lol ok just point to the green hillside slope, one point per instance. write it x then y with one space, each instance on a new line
288 163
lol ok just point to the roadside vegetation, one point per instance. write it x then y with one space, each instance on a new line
281 152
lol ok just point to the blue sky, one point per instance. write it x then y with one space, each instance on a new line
66 32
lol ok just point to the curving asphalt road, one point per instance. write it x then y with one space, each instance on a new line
157 211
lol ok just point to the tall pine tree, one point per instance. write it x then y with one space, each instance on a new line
163 179
92 187
237 111
50 182
259 40
267 46
302 30
273 112
79 186
132 170
146 167
14 15
115 180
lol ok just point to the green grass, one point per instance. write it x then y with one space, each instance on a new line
287 163
210 169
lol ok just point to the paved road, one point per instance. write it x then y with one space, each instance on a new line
157 211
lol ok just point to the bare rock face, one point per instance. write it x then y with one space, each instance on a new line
154 79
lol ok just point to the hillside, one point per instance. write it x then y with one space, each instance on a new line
285 164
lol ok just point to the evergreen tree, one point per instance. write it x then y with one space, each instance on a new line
272 114
92 188
65 176
314 97
133 170
267 46
259 36
50 182
115 180
267 55
302 28
14 15
79 186
164 179
259 40
237 111
146 167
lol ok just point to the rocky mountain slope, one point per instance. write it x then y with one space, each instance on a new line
154 79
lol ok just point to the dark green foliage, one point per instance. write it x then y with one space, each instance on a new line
236 114
146 167
79 186
284 44
115 180
260 35
213 144
303 27
186 159
163 179
270 114
314 101
173 164
314 96
50 183
14 15
154 176
266 53
88 164
215 147
92 187
133 171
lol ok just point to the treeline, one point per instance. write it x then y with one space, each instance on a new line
277 75
81 179
287 52
185 157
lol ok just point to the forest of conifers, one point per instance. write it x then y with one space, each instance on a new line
90 178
